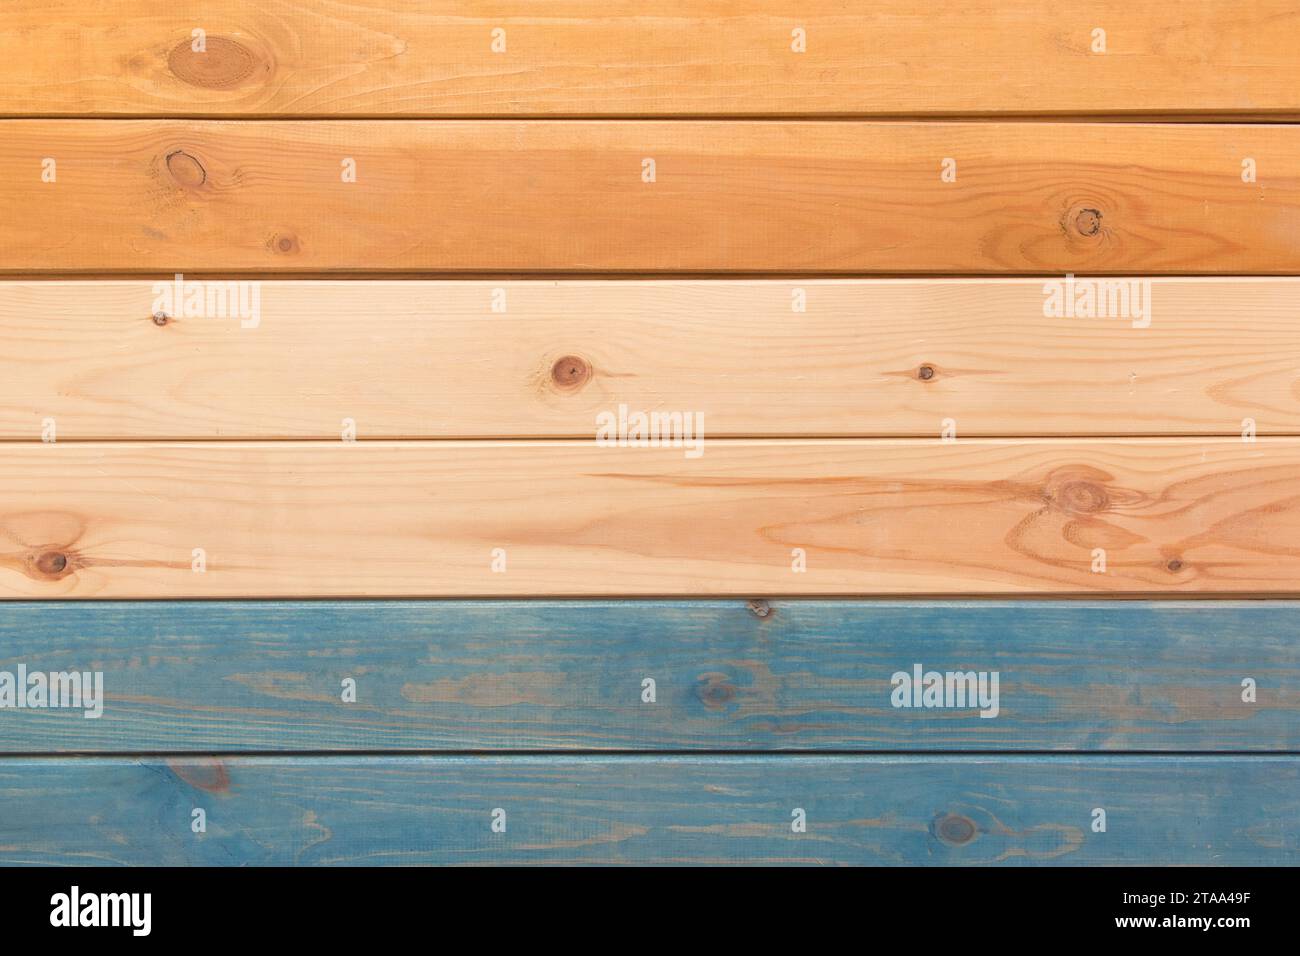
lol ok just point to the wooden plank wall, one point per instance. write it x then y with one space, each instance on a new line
324 304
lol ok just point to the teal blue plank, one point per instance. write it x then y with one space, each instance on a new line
554 675
1026 810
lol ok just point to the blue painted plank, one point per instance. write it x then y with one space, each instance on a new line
1027 810
556 675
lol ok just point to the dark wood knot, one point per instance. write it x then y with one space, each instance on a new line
186 169
715 691
570 373
761 608
52 563
925 373
160 318
1175 565
1087 221
955 829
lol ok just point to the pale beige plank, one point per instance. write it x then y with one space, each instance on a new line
119 520
417 359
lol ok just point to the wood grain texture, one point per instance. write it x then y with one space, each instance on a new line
544 675
353 519
406 58
568 196
416 359
641 810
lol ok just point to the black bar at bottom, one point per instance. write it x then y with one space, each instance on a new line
334 907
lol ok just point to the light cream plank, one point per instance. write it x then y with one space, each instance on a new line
871 517
439 359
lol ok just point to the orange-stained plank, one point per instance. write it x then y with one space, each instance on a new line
573 196
583 57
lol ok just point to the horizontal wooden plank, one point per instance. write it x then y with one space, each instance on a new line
675 810
545 675
450 518
419 359
406 58
571 196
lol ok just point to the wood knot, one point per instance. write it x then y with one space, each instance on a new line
186 169
570 373
925 373
760 608
209 775
1082 497
160 318
1175 565
1087 221
955 829
715 691
285 243
51 563
222 65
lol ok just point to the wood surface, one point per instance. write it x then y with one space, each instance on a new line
354 519
607 183
886 810
727 675
148 196
407 58
432 359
